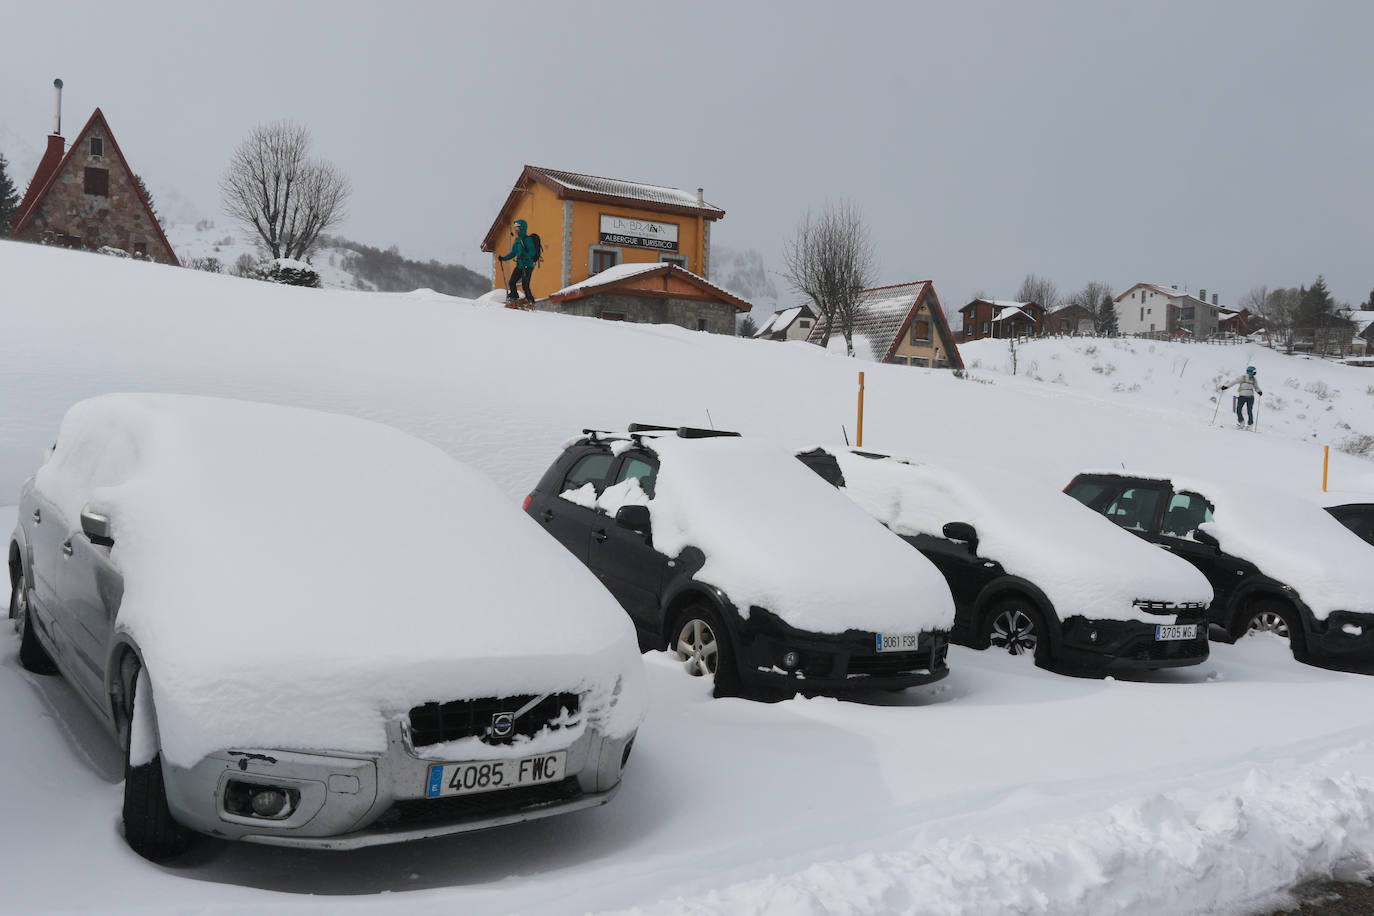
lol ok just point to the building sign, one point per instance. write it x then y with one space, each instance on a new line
638 233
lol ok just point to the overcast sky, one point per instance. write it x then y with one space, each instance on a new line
1217 145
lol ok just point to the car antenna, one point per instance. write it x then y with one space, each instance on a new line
846 434
709 422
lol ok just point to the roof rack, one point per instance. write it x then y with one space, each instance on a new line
692 432
650 428
595 434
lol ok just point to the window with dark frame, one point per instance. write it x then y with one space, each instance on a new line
97 146
98 182
701 324
613 316
677 259
920 331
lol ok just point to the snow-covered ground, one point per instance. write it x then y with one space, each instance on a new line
226 241
1003 789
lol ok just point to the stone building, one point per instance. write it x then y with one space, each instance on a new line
85 196
650 294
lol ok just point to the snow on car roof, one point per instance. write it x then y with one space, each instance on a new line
778 537
1289 538
1075 557
293 577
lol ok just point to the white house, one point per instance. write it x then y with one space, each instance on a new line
793 323
1154 308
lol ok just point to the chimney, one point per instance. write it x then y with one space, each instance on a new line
1202 296
701 199
57 108
1214 298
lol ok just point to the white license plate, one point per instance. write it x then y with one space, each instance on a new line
898 642
1176 631
492 775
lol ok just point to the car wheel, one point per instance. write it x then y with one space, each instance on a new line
149 828
1017 628
1277 618
703 646
32 655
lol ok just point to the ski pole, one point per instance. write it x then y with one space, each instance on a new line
1215 410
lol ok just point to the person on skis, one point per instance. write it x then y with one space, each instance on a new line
523 251
1247 388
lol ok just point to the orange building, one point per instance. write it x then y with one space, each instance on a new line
588 224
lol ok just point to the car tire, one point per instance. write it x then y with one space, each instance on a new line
32 655
149 828
702 644
1270 615
1016 626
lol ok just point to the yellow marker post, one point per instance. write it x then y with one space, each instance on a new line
860 439
1326 465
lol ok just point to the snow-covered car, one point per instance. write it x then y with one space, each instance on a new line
1031 572
1358 517
727 551
309 630
1278 564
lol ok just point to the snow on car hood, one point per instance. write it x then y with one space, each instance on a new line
778 537
1290 538
1083 563
295 578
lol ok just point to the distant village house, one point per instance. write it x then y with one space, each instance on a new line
1153 308
903 325
1001 319
793 323
86 197
618 250
1070 319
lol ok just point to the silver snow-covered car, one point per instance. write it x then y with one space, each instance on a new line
310 630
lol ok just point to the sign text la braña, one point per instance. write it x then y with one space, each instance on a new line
638 233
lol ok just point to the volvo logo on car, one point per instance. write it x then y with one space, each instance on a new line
502 724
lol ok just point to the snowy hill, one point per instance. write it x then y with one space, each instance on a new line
1004 789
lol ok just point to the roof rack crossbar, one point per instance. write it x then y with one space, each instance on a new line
694 432
650 428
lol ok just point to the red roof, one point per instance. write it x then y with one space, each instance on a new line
884 314
46 181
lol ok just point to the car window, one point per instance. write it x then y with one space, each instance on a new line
1086 492
590 469
1186 511
1358 518
640 470
1134 508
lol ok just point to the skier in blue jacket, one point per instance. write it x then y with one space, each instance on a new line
1247 388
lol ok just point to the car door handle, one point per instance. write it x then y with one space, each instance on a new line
1166 546
67 547
546 515
600 535
37 517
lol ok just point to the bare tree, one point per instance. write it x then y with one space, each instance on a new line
1091 297
1280 309
272 187
1041 291
831 262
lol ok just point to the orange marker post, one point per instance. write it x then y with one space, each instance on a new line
859 441
1326 466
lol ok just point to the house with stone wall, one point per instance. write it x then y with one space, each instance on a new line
85 196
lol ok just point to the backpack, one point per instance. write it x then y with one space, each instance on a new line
538 247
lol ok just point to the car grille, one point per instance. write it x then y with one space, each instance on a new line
886 664
1170 608
434 723
419 812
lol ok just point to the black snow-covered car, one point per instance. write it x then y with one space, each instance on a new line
728 552
1277 564
1032 573
1358 517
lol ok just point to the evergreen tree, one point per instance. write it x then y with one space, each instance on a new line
1106 316
147 195
9 197
748 327
1315 306
1368 304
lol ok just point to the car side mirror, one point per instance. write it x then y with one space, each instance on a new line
1203 537
961 531
636 518
96 527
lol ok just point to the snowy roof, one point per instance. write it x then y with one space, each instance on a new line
1010 311
780 320
622 272
883 312
630 190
